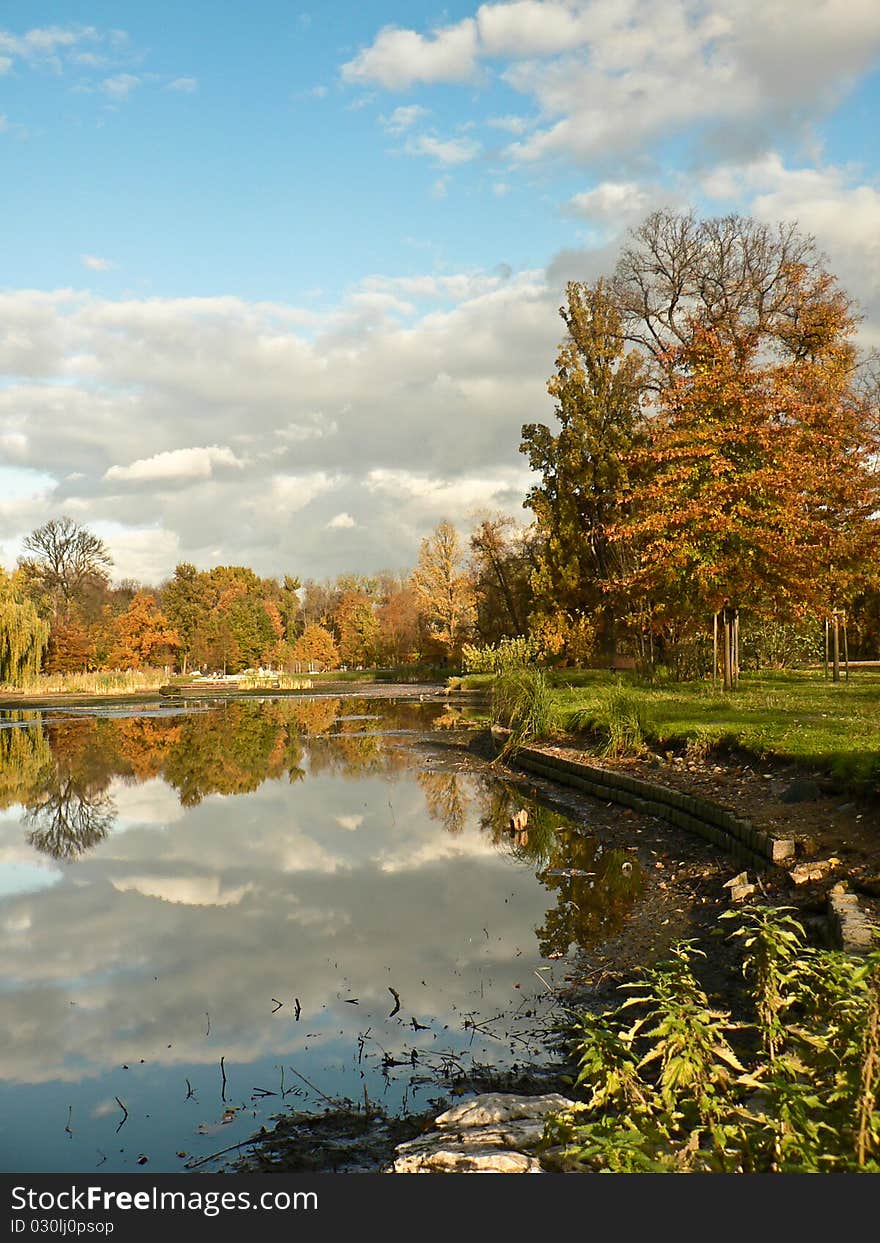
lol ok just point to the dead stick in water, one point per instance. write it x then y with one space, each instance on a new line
223 1073
328 1099
191 1165
124 1112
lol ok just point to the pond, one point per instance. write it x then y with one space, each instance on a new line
211 913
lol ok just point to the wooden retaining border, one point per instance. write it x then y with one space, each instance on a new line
733 834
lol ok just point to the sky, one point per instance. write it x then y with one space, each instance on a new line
280 283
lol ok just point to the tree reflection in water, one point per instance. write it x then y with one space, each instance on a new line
596 888
69 819
62 774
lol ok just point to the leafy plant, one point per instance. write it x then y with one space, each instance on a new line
672 1083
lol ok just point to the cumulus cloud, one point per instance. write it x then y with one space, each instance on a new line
341 522
111 398
175 464
404 118
611 80
186 86
447 151
399 58
611 202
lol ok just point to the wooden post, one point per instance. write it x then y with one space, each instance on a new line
845 649
835 626
736 647
826 649
714 652
728 647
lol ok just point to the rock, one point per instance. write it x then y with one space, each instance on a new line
495 1133
850 928
801 790
806 872
454 1161
493 1108
739 887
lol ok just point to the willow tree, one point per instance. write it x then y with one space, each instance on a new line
23 635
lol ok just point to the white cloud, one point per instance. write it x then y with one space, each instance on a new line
404 118
186 86
448 151
399 58
96 263
175 464
612 202
121 85
44 42
610 78
529 28
341 522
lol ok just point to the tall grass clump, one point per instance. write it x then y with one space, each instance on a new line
523 701
671 1083
620 719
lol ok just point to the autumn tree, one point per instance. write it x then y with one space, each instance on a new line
65 559
758 483
316 649
730 273
584 472
185 602
143 635
501 568
357 628
444 590
398 620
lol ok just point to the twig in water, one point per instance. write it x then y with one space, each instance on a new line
208 1029
298 1010
245 1143
396 995
223 1073
278 1005
68 1127
124 1118
308 1083
190 1091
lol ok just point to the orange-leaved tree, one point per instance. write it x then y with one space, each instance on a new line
142 635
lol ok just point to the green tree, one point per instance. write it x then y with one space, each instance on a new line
23 634
584 469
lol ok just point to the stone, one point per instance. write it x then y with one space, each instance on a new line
801 790
740 887
495 1133
850 928
495 1107
806 872
454 1161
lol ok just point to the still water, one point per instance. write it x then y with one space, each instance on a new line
209 914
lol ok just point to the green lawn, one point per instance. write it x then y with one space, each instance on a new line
795 716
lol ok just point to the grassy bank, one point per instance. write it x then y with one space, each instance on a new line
125 682
791 716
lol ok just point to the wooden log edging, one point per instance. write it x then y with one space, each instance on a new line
733 834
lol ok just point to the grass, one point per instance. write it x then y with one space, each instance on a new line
791 716
116 682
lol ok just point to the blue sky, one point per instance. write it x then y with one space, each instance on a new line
280 283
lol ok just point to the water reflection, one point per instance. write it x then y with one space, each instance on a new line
210 865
